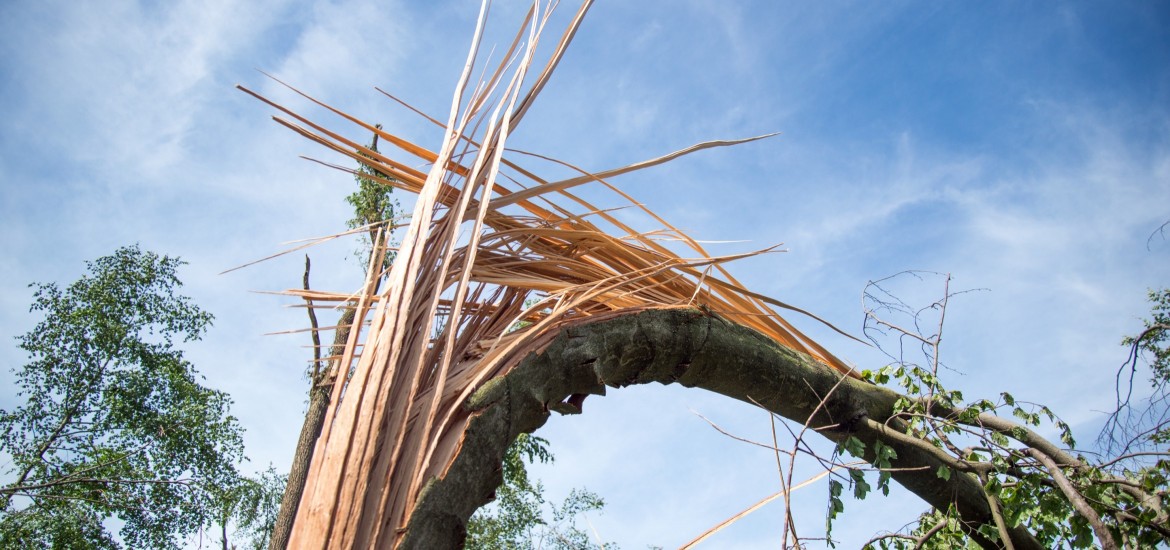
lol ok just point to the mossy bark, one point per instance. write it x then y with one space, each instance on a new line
693 349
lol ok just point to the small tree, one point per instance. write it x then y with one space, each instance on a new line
518 518
374 206
251 506
115 423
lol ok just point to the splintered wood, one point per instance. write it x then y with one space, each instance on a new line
483 269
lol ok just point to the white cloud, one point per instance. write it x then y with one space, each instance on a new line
346 48
119 85
119 124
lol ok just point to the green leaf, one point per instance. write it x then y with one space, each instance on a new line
1066 434
989 531
836 506
860 486
943 472
855 447
884 454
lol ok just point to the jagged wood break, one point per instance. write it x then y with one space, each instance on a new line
495 260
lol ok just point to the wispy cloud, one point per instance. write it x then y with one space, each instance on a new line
118 86
910 141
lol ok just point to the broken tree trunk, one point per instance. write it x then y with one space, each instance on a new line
694 349
319 394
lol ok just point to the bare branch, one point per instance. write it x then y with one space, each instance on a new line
1129 456
741 439
918 541
1114 422
1161 230
315 378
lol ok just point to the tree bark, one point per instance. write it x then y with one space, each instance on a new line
694 349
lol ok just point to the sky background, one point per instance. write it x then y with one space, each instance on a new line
1023 148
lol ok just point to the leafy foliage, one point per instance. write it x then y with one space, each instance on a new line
1064 499
252 504
1155 339
373 205
517 519
115 422
1022 487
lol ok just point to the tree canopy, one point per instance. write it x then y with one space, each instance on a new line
115 422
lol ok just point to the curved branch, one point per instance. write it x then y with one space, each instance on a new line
1000 525
1078 501
919 541
693 349
1038 444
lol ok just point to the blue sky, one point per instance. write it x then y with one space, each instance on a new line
1022 147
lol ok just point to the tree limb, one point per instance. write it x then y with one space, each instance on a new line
694 350
1059 456
1074 497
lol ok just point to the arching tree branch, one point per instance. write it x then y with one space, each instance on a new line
694 349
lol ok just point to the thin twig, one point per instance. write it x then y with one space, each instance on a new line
315 380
